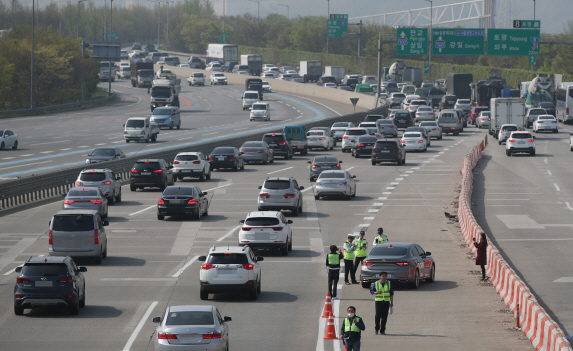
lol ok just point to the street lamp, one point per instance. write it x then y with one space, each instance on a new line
534 10
32 63
158 19
78 22
431 23
258 7
327 18
288 10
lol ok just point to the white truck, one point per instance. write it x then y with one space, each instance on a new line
165 90
222 53
506 111
105 70
310 70
254 62
140 129
337 72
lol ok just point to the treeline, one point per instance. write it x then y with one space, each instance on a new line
58 67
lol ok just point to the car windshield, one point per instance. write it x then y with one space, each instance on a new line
44 270
537 111
450 98
252 144
277 184
134 123
418 103
73 223
463 101
427 109
198 75
401 115
228 258
82 192
379 250
367 139
315 133
190 318
325 159
399 95
218 75
162 112
260 107
521 136
427 124
265 83
186 157
412 135
179 190
251 96
385 121
509 128
485 113
262 221
140 166
273 139
545 117
103 152
92 177
386 145
145 74
546 104
331 175
355 132
340 125
224 151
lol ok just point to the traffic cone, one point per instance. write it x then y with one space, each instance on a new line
330 330
327 306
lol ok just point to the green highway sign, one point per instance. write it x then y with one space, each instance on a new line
337 26
513 42
466 41
412 41
532 60
526 24
112 36
223 38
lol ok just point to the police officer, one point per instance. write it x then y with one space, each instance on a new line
349 249
361 250
384 299
351 330
381 238
333 264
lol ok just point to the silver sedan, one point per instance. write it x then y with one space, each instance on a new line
335 183
86 198
434 130
424 114
483 120
257 151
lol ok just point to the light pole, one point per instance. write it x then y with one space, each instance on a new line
327 19
534 10
32 62
431 24
258 7
288 10
111 68
78 23
158 19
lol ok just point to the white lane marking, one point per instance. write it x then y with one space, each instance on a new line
8 158
307 189
222 186
545 159
348 169
369 218
51 142
79 147
211 133
569 206
46 152
115 142
28 164
100 144
229 233
556 187
280 170
26 155
66 149
185 138
564 280
373 211
182 269
382 198
145 209
378 204
137 279
140 325
549 172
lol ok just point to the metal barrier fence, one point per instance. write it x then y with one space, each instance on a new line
57 107
22 191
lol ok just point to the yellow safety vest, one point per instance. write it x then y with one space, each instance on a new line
348 255
333 259
381 239
360 251
385 296
351 327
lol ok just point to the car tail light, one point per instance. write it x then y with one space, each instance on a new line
418 113
395 149
196 162
437 129
265 195
175 162
530 140
431 113
96 236
206 266
282 143
158 171
22 280
453 127
210 158
410 120
483 118
277 229
287 196
66 280
375 149
97 202
314 166
134 171
402 263
106 183
567 111
337 165
366 263
403 141
248 266
161 202
246 229
68 202
345 137
360 145
511 140
81 183
420 141
166 336
322 138
50 241
191 202
212 335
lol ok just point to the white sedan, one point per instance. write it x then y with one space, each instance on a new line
414 141
329 85
335 183
545 123
8 139
319 139
218 78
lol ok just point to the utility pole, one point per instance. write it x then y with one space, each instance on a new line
359 24
288 10
158 19
431 24
534 10
327 18
111 67
78 23
224 13
32 63
380 43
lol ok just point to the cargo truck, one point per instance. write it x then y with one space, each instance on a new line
458 84
165 91
254 84
254 62
141 72
222 53
413 75
310 70
337 72
506 111
485 90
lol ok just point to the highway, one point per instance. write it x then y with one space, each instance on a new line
151 263
48 143
525 203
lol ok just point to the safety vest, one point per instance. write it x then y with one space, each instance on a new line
360 251
381 239
385 296
351 327
333 259
348 255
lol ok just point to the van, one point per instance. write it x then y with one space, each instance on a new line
249 98
156 56
169 61
296 135
78 233
196 62
364 88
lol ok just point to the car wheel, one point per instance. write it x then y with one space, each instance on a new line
82 303
15 146
507 153
532 153
208 175
432 277
160 217
147 139
259 287
373 163
317 197
2 146
162 187
366 285
104 254
204 295
202 176
332 147
499 142
97 260
290 245
284 250
206 213
356 155
180 177
243 166
18 310
253 294
415 284
118 198
294 211
132 187
111 200
179 125
440 137
235 168
348 197
198 215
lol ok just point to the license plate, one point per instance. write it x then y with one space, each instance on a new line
186 170
43 284
521 142
385 151
175 202
220 158
272 144
145 173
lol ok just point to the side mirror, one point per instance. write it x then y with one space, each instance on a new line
353 176
18 269
124 124
300 187
118 178
428 253
534 137
202 258
49 223
83 269
309 162
260 187
64 195
89 154
289 221
227 319
169 167
242 221
260 258
339 161
204 193
571 134
156 319
241 153
105 222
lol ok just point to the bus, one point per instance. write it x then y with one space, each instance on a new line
564 103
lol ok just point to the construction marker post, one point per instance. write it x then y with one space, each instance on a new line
517 316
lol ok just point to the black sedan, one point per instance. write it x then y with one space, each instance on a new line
182 200
404 262
363 145
226 157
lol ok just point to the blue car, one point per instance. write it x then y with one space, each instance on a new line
167 117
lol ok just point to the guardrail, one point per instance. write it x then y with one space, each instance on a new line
57 107
26 190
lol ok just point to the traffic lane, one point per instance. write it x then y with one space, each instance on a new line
530 224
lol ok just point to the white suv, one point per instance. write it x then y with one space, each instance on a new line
191 164
105 180
230 269
266 230
350 135
505 131
520 142
218 78
196 78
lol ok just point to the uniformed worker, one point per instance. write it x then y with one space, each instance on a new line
381 238
351 330
361 250
349 249
333 264
384 299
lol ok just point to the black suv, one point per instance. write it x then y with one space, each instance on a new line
49 281
196 62
152 173
372 118
448 102
228 66
388 150
326 79
279 143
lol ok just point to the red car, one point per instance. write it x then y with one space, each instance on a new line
475 111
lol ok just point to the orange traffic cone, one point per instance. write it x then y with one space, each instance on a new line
327 306
330 330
